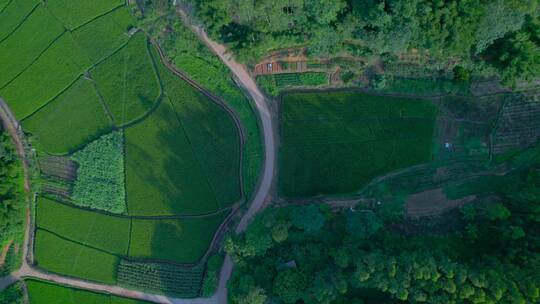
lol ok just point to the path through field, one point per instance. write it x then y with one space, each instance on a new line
11 124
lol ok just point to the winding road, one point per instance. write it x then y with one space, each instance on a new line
265 183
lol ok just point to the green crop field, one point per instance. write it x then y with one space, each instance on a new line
21 48
127 81
111 29
48 293
71 120
14 14
68 258
97 230
173 240
163 175
334 143
211 133
74 13
60 65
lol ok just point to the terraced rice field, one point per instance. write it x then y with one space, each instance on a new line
79 75
336 142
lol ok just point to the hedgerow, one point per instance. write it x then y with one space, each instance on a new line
71 120
100 177
24 46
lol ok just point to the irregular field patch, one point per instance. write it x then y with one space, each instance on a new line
334 143
71 120
40 292
178 240
97 230
111 29
26 43
13 14
211 133
163 176
74 13
127 81
61 256
53 72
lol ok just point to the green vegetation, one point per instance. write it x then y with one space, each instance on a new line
61 65
211 280
14 294
334 143
70 121
502 33
424 86
69 258
177 280
173 239
127 81
342 257
190 55
20 49
100 177
46 293
273 84
13 14
94 229
112 32
74 13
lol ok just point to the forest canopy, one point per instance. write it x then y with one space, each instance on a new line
503 33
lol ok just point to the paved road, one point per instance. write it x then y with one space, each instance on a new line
262 193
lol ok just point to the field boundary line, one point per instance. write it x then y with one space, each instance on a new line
6 5
95 18
88 76
22 21
74 242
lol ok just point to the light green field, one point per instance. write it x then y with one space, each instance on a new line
163 175
52 73
40 292
334 143
97 230
13 14
74 13
70 121
21 48
111 29
181 241
127 81
68 258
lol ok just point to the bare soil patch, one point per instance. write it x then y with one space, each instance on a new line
4 252
431 203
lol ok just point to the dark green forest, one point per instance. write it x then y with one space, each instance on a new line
11 193
309 254
501 34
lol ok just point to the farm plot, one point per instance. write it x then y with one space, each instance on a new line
72 259
69 121
211 133
74 13
127 81
29 40
14 14
112 31
518 127
170 279
334 143
40 292
94 229
177 240
60 65
274 83
163 176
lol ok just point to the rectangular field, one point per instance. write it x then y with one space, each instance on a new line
70 121
97 230
336 142
74 13
178 240
61 256
26 43
46 78
40 292
13 14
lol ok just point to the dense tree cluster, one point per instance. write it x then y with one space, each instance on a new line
308 254
444 28
11 201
